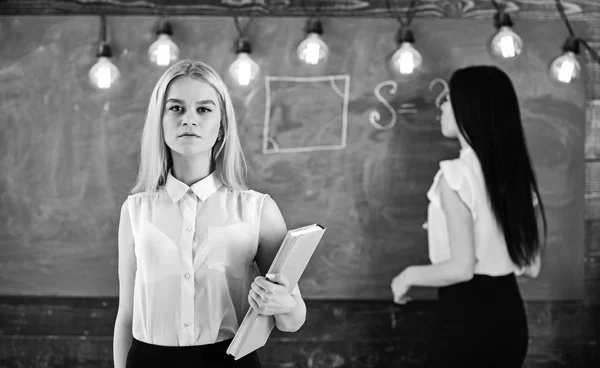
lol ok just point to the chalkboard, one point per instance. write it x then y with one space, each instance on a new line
349 145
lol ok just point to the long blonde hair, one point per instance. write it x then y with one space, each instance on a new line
155 155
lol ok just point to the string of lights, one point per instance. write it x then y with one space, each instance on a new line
405 61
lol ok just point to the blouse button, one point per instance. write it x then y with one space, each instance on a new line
189 229
187 324
187 275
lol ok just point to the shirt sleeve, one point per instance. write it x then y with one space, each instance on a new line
460 179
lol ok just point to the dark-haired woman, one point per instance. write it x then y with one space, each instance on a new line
482 227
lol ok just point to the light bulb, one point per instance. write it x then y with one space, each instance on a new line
313 50
104 73
163 51
506 43
406 59
565 68
243 70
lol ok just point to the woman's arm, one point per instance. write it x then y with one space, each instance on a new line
273 297
127 267
461 265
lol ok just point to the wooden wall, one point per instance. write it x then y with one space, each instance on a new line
77 332
520 9
71 332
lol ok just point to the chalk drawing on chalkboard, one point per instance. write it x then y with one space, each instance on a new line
375 116
405 108
443 93
305 114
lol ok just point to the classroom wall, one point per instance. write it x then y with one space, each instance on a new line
67 331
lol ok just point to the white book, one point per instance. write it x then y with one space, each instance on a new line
291 260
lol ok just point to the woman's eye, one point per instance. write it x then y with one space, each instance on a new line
203 110
175 108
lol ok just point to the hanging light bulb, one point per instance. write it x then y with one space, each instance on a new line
243 70
566 68
104 73
313 49
406 60
163 51
506 43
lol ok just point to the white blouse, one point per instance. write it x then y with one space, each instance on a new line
464 175
194 249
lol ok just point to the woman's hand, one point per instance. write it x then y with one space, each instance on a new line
400 287
533 270
271 296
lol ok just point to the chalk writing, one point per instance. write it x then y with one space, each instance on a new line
443 93
405 108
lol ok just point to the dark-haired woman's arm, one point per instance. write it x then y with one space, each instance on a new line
461 264
533 270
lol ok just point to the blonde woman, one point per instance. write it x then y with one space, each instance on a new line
193 240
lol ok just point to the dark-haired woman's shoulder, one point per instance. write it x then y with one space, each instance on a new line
457 172
460 178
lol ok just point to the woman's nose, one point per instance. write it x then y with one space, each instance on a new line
189 120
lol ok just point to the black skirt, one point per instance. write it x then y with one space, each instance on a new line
143 355
480 323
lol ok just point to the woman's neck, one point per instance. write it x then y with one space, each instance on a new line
191 169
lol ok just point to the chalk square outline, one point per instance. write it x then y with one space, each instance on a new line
331 79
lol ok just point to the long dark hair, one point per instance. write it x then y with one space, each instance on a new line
487 114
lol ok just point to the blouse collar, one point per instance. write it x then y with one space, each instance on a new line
203 188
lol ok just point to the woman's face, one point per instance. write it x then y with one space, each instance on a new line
447 120
191 117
